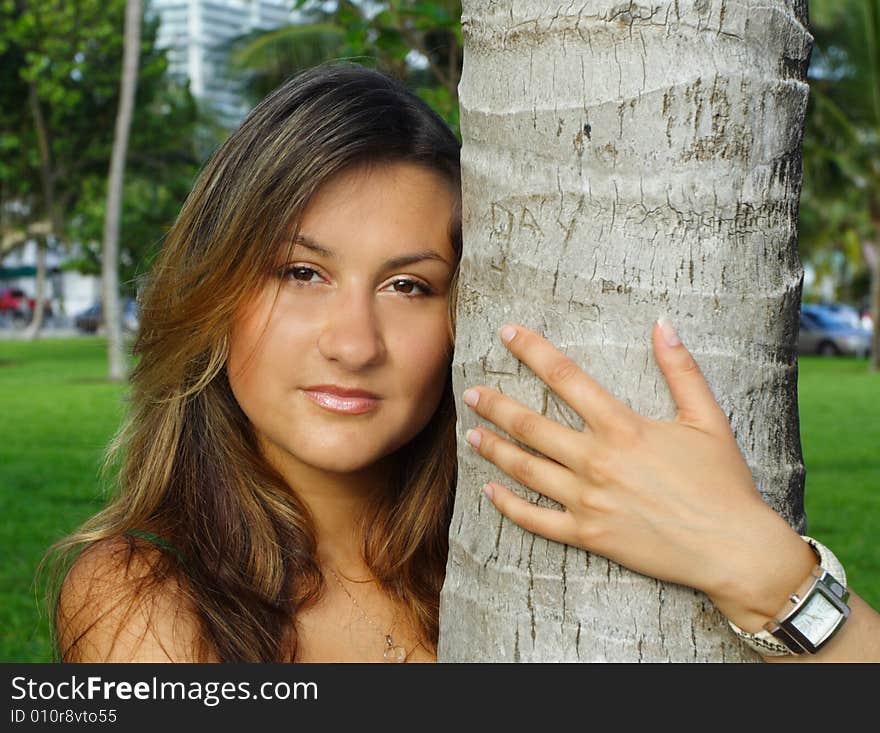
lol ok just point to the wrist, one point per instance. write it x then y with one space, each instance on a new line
773 564
811 616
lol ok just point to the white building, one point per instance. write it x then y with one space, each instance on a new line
69 291
195 33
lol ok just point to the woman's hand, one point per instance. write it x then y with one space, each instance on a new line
673 500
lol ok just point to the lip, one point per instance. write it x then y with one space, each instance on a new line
342 400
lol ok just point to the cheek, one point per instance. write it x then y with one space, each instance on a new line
243 339
424 355
270 331
253 343
243 371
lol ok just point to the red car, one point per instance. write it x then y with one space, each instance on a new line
15 303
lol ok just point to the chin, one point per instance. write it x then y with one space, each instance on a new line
350 464
346 458
344 451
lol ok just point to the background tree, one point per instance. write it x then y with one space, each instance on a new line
69 55
419 42
842 149
263 59
623 161
110 264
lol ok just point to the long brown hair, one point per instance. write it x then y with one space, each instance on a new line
186 463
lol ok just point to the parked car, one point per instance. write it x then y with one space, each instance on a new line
822 331
16 305
847 313
14 302
92 318
89 320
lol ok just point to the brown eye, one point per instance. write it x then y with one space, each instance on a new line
301 274
412 288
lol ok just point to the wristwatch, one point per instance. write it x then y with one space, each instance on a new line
811 616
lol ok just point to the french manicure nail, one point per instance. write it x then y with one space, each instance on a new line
471 397
489 491
473 437
669 335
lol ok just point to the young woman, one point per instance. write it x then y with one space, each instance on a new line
286 473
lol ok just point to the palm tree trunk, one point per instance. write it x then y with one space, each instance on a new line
874 265
623 161
47 179
110 263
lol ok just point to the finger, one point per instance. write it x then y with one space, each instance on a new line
563 375
540 474
553 524
693 397
562 444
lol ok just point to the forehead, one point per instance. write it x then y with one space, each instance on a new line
380 211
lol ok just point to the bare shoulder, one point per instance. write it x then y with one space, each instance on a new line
122 602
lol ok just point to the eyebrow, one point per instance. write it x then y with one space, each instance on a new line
401 261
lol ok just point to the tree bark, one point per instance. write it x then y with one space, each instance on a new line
874 265
110 256
11 239
622 161
47 178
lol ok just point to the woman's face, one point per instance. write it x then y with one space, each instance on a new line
363 307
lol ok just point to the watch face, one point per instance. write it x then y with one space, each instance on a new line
816 618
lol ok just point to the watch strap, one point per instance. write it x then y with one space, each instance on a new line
774 645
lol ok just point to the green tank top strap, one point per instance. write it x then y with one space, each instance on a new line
158 541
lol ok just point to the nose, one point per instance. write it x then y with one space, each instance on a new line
352 334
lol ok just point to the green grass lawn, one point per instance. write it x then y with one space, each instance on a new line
58 414
839 404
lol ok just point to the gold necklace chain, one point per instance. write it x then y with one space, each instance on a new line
390 653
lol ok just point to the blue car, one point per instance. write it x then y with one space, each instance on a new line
829 333
92 318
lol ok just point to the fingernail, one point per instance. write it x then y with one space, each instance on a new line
489 491
507 334
669 335
471 397
473 437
